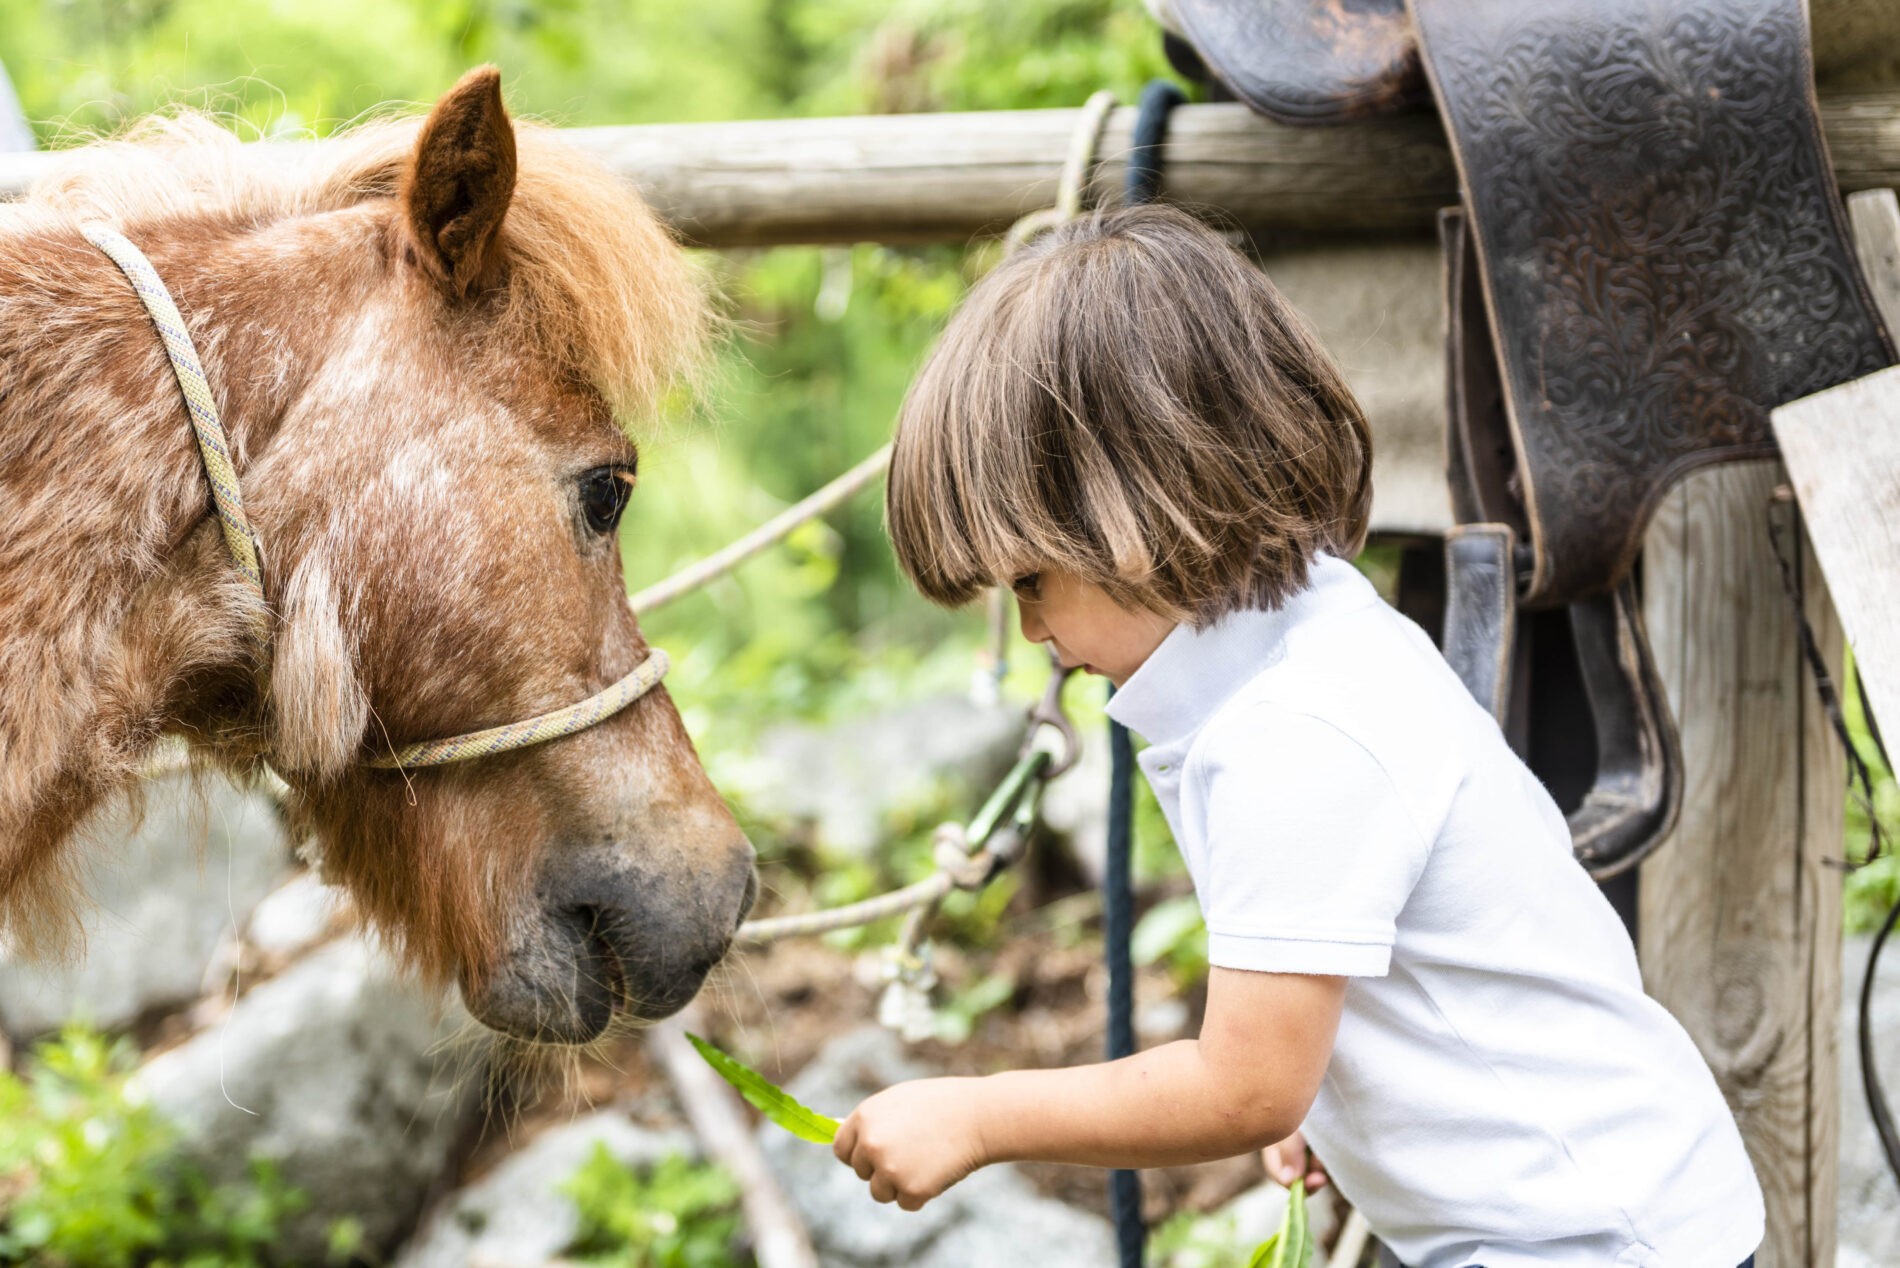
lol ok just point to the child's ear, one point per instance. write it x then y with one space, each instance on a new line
459 183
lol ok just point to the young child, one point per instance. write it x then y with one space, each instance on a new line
1127 424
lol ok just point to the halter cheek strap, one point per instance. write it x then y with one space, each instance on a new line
247 551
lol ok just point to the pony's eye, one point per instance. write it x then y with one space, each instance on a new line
604 493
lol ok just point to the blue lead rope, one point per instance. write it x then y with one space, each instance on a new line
1118 914
1118 899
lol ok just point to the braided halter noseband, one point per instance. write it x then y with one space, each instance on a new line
247 552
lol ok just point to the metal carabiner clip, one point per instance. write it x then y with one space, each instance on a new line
1047 712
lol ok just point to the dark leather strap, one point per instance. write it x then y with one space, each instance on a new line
1481 611
1632 804
1481 459
1307 61
1661 247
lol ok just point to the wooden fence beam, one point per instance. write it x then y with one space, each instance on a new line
1739 923
949 177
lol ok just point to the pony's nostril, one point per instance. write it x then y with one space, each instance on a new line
750 896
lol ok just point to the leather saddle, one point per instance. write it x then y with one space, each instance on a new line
1650 255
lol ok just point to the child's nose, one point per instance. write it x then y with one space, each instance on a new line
1033 628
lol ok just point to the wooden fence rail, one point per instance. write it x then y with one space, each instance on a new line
948 177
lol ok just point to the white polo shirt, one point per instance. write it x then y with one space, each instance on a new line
1501 1092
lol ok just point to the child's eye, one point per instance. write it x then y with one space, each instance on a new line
1028 585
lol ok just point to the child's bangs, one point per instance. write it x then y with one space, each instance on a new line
964 505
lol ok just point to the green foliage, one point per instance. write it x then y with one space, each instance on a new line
1874 889
1172 932
89 1175
957 1015
674 1214
1190 1240
1292 1245
778 1105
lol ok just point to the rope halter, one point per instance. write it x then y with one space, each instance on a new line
247 550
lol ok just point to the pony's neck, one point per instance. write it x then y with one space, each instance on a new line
120 614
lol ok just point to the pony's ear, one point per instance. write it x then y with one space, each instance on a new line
459 182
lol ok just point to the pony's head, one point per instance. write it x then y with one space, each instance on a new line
426 348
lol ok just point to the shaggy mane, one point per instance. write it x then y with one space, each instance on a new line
594 277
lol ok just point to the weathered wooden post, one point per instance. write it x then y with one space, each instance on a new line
1740 910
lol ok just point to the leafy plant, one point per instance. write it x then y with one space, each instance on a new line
89 1175
1292 1246
1172 931
1871 890
778 1105
674 1214
957 1016
1191 1240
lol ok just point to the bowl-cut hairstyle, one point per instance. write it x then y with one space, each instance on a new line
1129 399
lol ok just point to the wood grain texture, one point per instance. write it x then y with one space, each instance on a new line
1874 215
1850 493
949 177
1739 924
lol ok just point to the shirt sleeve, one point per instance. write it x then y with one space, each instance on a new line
1310 851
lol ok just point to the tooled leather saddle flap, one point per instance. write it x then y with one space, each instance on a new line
1661 247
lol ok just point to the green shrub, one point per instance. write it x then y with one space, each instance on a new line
674 1214
89 1175
1190 1240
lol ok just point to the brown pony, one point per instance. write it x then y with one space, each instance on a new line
420 340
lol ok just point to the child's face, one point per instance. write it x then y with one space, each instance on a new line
1085 626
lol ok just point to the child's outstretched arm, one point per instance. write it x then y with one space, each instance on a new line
1245 1083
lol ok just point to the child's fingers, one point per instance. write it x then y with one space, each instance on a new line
1280 1168
846 1140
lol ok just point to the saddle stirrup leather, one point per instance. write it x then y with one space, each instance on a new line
1636 788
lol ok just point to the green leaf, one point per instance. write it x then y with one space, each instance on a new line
768 1098
1167 925
1296 1239
1292 1246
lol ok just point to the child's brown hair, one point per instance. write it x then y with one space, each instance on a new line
1127 398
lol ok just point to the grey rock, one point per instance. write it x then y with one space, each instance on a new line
294 916
994 1217
166 893
340 1073
1869 1194
516 1216
847 781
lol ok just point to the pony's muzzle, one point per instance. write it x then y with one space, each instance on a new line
611 939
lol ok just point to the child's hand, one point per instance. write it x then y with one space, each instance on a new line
1283 1163
914 1140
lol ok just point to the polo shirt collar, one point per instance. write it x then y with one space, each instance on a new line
1194 672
